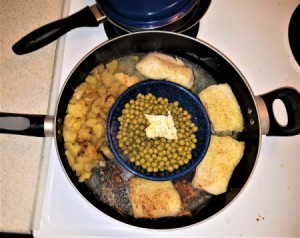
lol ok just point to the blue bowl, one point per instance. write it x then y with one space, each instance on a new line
174 92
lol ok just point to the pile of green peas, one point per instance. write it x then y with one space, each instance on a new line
155 154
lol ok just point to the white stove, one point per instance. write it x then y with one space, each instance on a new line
254 35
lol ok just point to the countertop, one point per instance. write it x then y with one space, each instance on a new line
25 86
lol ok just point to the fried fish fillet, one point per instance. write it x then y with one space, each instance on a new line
222 108
214 171
160 66
153 199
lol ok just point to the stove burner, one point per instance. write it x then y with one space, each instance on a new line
113 31
294 34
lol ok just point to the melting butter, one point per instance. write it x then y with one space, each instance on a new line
161 126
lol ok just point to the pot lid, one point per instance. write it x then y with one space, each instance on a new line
145 14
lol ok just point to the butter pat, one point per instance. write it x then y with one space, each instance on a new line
161 126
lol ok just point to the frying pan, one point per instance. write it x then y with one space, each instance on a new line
257 112
127 16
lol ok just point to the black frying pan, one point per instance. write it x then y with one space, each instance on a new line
257 112
126 16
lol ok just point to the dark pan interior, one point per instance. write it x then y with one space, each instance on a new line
194 51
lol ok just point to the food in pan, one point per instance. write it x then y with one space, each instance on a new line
155 134
89 156
216 168
160 66
222 108
126 79
85 122
152 199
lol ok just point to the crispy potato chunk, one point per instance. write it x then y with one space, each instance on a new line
69 136
126 79
85 122
92 80
73 148
78 110
112 66
107 78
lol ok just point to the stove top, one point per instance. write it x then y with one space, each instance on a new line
254 35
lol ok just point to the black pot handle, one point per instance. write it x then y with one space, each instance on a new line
52 31
24 124
291 99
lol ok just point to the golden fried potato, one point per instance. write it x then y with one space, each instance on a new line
78 110
126 79
112 66
85 122
73 148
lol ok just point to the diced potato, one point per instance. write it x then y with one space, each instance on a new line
78 167
112 66
107 78
77 110
97 105
77 125
92 80
84 176
91 122
69 135
73 148
98 70
89 89
106 151
71 159
91 152
88 166
90 98
109 101
83 160
84 133
80 91
85 122
69 121
98 130
117 88
121 89
102 91
91 115
126 79
98 141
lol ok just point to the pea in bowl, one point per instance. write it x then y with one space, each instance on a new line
158 130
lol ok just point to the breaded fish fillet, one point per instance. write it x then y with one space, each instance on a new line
222 108
160 66
153 199
216 168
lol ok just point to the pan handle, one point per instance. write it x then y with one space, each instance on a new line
291 99
25 124
88 16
